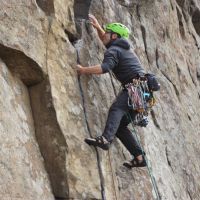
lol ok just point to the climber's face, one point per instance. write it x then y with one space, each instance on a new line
106 38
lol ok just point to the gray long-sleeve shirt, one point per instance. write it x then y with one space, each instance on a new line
122 61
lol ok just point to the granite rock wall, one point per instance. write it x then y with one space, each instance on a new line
46 110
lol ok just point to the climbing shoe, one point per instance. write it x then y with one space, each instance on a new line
100 142
135 163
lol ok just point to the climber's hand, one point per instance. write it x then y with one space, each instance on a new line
80 69
94 21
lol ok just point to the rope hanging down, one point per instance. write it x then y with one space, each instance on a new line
149 169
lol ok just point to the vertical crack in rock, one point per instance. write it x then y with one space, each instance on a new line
175 88
189 117
157 57
55 162
196 21
143 30
102 182
81 10
168 160
180 19
144 40
155 120
103 5
172 6
50 21
51 141
197 44
198 74
72 38
191 76
138 12
189 194
180 3
47 6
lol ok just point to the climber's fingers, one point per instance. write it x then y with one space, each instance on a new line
79 69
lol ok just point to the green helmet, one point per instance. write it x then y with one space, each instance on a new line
118 28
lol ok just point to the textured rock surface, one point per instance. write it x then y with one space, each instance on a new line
22 171
46 111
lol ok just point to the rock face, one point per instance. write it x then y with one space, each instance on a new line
46 111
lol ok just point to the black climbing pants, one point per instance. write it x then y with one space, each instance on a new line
118 121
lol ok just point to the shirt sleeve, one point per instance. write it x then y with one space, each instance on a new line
110 61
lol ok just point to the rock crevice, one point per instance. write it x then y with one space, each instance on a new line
51 141
47 6
102 182
50 138
46 111
21 65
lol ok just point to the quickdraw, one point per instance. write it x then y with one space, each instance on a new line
141 99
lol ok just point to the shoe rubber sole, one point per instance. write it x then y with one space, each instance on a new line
93 142
130 165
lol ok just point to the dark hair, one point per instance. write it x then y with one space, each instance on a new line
119 36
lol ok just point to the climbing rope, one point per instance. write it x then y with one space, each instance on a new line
149 168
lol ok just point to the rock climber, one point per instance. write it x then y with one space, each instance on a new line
126 66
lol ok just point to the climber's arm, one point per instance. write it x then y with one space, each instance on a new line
97 69
109 62
97 26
